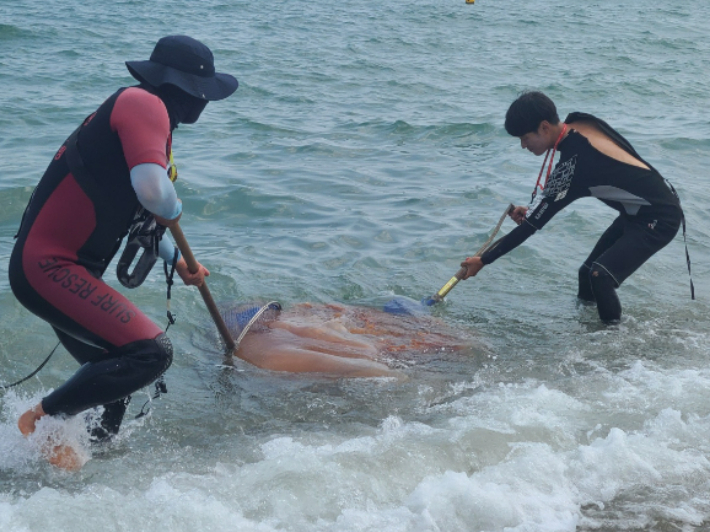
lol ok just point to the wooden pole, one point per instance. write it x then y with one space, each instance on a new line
192 265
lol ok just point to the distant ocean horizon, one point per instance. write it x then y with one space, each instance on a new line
362 158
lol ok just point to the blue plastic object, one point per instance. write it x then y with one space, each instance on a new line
238 317
405 306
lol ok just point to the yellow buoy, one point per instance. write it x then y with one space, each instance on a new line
470 1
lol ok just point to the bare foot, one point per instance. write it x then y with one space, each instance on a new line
28 421
62 456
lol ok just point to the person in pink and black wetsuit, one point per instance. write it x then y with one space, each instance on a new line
595 161
112 175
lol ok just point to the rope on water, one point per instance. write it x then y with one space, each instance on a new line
35 372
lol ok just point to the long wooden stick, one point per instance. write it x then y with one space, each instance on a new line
192 265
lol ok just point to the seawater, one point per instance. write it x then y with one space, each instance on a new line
363 157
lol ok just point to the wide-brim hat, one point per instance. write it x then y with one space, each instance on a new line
186 63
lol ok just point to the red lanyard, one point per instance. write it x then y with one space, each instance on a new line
549 167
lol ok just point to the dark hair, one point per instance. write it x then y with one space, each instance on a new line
525 114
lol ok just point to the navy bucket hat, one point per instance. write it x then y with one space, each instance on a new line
186 63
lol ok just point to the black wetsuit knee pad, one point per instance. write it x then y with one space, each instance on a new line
148 359
604 291
158 353
121 372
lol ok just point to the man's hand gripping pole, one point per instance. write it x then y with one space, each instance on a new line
193 266
441 294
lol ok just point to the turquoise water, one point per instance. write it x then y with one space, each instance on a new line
362 157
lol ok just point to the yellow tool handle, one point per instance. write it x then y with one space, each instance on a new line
441 294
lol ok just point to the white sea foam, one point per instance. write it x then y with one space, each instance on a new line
513 457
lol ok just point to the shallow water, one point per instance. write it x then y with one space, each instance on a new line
363 157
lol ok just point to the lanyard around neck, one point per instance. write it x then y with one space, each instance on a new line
549 167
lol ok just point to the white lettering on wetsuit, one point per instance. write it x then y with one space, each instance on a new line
541 211
561 179
555 190
85 289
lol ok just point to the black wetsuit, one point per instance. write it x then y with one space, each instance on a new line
649 209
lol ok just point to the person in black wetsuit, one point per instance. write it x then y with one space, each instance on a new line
112 175
595 161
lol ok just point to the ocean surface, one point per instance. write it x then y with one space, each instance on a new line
363 157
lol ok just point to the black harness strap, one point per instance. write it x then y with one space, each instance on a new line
169 280
685 240
687 259
160 386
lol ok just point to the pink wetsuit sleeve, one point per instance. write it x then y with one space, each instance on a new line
142 123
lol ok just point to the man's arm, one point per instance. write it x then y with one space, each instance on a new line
155 191
506 244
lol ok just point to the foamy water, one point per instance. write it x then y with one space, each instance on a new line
482 456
